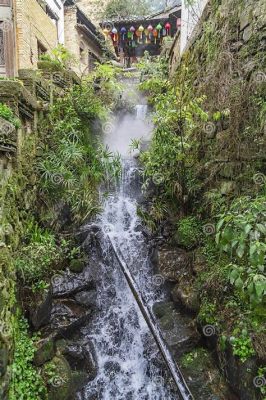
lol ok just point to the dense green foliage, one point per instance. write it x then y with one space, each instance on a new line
7 114
54 186
209 203
124 8
241 233
72 163
26 381
40 255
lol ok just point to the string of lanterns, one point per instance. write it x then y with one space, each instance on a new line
140 34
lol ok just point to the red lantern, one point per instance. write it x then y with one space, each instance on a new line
168 27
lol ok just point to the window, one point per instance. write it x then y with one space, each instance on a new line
2 49
41 49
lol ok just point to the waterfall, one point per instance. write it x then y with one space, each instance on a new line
141 111
130 365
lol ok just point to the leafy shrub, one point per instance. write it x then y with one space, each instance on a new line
60 57
242 345
7 113
26 382
189 231
73 164
207 314
241 233
39 256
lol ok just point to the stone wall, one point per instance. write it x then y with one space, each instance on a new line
28 98
33 25
224 65
76 38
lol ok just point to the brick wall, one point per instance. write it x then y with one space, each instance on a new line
75 38
33 25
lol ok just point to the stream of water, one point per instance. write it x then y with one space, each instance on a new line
130 366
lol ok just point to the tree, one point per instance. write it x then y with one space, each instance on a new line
126 8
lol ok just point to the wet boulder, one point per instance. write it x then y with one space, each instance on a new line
179 331
57 375
240 374
40 314
67 285
203 377
185 294
45 351
86 298
67 316
173 263
81 358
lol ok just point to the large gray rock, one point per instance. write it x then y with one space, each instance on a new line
186 295
45 351
240 375
40 315
67 316
67 285
179 331
203 376
86 298
173 263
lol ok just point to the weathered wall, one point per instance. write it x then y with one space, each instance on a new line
225 61
18 186
33 25
75 39
224 64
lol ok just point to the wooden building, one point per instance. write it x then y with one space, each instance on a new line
132 37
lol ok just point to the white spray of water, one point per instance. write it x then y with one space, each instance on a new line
130 366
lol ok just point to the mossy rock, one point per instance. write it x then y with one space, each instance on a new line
79 380
45 352
57 374
77 265
205 380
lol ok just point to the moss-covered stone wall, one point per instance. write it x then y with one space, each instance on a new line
28 98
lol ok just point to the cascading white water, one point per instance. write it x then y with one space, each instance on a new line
130 366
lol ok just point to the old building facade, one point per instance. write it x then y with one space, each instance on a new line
82 39
30 28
